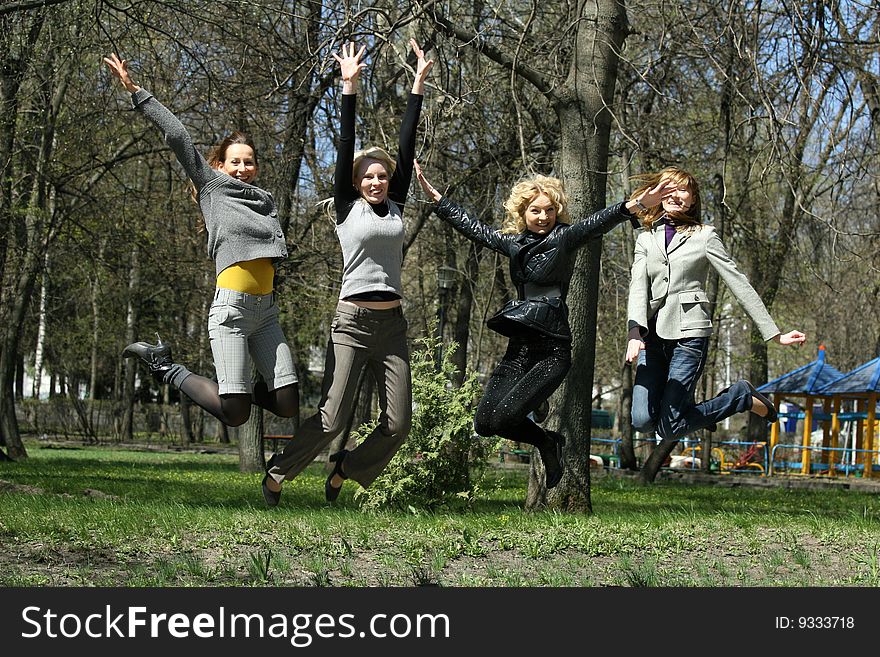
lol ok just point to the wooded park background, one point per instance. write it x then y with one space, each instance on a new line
774 106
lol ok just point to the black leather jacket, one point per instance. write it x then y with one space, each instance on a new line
541 266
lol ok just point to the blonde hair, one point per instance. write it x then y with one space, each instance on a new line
690 217
526 191
380 155
373 153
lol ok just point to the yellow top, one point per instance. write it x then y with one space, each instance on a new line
250 276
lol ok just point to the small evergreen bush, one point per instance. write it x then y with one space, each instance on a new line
440 465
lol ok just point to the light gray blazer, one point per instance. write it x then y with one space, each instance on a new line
671 284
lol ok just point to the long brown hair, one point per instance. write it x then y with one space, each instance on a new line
216 156
691 217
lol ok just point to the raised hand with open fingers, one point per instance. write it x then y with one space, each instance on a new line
423 67
350 64
119 68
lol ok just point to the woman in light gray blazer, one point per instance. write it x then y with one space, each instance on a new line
669 315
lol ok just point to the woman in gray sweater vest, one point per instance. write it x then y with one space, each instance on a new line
245 241
368 329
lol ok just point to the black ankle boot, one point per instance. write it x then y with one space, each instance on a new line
157 357
554 458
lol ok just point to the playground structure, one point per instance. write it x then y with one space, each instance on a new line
726 457
845 398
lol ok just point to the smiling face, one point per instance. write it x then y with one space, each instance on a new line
239 162
371 180
679 199
540 215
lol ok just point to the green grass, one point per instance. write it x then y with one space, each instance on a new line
184 519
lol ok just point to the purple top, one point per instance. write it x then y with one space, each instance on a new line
670 233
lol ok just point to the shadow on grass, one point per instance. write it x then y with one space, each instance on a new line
197 480
630 498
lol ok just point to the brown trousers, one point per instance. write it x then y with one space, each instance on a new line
359 338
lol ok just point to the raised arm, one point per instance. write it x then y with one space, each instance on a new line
398 187
458 218
350 66
176 136
740 287
602 221
746 295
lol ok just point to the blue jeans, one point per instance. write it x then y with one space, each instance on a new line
663 393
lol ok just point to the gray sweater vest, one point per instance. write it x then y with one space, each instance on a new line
372 250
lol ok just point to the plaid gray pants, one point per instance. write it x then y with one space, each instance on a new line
244 327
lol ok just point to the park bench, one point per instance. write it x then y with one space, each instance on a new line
275 440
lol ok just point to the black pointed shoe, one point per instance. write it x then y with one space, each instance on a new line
156 356
772 416
554 461
272 497
331 492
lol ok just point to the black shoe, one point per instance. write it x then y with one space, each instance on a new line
331 492
554 461
272 497
156 356
772 416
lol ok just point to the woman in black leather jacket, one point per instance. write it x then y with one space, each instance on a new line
541 243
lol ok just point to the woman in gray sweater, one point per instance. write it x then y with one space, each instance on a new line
246 242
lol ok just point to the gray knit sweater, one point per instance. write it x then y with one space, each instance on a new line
241 219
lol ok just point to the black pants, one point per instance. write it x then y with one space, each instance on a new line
529 373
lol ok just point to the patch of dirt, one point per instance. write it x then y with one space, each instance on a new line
9 487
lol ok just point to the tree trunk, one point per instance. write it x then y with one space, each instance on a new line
41 331
96 326
14 60
627 452
655 460
222 433
462 328
131 321
186 420
582 109
250 442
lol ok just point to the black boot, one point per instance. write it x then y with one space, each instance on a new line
554 458
157 357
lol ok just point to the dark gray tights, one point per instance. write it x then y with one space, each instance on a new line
234 410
